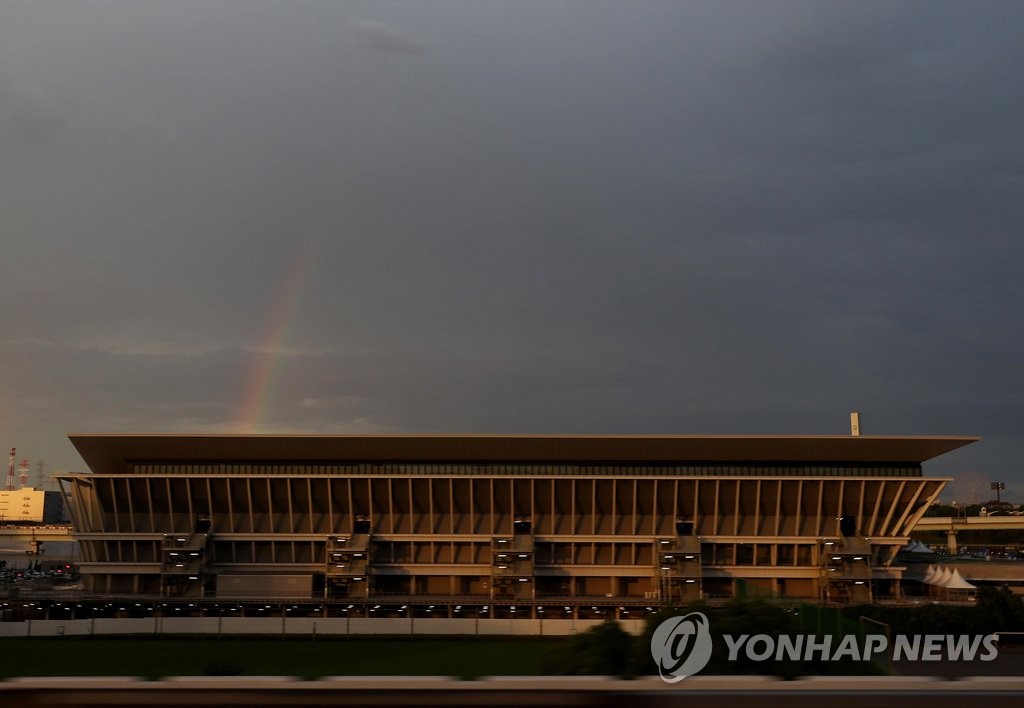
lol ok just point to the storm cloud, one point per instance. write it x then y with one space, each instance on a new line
572 217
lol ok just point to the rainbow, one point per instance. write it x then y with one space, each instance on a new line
260 381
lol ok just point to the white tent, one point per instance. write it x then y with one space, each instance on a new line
942 577
957 582
929 576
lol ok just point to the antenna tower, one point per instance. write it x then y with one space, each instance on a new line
10 470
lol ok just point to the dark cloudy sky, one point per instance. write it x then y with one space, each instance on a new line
438 216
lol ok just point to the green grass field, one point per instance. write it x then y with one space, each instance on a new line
152 658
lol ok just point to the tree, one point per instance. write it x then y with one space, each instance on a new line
604 650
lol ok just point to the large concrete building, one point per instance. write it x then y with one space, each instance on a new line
499 521
31 506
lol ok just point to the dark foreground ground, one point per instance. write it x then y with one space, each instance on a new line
411 671
152 658
470 657
1008 663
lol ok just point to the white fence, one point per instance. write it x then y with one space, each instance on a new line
308 626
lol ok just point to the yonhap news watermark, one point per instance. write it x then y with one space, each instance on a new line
682 646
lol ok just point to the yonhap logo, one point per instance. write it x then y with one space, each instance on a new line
681 646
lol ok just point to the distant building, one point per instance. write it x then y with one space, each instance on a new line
28 506
499 521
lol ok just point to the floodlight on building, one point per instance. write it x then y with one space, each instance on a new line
998 487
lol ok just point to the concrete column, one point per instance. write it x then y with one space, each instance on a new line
951 542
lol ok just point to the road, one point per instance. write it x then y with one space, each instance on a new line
694 692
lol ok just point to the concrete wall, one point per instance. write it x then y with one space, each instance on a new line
265 585
304 626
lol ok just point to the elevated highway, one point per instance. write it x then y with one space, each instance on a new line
27 539
952 525
43 533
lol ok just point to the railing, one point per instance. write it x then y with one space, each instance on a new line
841 572
184 541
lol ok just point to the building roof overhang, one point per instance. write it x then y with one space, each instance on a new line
116 453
